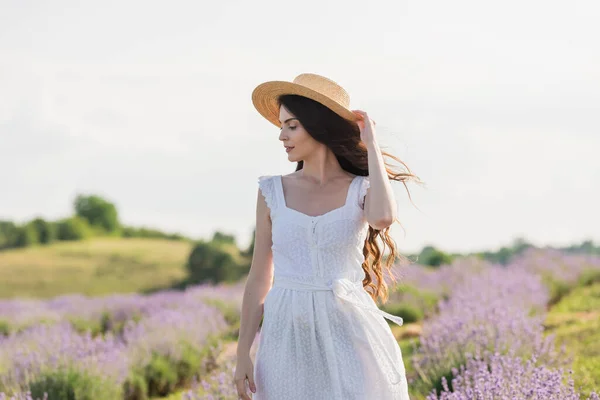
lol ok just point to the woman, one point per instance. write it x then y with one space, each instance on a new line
315 255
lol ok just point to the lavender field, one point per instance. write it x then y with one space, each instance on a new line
473 330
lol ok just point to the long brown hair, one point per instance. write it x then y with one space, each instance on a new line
343 138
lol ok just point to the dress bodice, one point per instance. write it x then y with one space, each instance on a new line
313 248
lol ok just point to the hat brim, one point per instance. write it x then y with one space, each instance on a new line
264 98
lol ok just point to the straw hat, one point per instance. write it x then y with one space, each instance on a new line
313 86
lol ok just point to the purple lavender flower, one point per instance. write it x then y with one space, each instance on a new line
499 376
489 311
44 347
170 331
561 266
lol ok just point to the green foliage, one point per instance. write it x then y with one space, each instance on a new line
587 247
411 303
136 387
191 363
407 312
46 231
36 231
69 384
143 232
164 375
97 211
8 234
160 375
582 299
4 328
250 250
434 257
94 216
505 254
74 228
26 236
84 325
575 323
589 277
426 299
223 238
106 323
557 288
215 262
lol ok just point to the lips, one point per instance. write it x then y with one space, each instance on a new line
289 148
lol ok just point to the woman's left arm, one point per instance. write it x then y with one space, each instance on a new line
380 204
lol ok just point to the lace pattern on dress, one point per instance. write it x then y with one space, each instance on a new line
265 183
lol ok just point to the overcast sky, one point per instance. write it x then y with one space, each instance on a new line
495 105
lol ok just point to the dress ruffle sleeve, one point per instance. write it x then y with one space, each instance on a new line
265 184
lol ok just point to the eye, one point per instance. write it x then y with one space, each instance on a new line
292 127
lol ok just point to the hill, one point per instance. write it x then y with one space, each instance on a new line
93 267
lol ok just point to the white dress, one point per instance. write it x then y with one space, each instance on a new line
323 337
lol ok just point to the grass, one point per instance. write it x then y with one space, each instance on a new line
575 320
93 267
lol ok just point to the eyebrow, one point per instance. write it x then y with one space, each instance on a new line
289 119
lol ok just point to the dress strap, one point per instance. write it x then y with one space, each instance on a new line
278 188
362 190
352 190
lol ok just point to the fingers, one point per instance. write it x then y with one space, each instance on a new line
240 385
363 115
252 384
359 113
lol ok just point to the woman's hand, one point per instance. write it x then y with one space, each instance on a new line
366 125
244 369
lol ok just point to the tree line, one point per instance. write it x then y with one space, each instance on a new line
216 260
92 216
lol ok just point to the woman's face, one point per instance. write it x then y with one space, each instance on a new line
299 144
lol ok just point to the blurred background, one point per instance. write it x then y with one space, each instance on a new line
130 152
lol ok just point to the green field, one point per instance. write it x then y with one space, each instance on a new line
576 322
93 267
